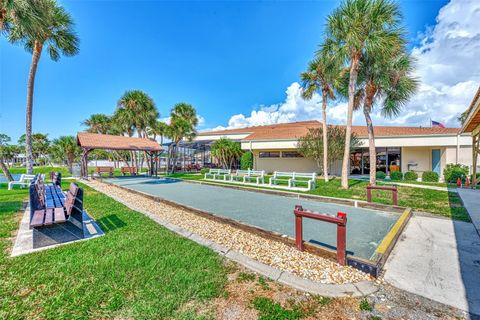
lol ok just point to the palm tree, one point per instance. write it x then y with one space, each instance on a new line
65 149
136 111
158 129
19 13
139 111
98 123
55 33
387 80
356 28
183 120
320 77
227 152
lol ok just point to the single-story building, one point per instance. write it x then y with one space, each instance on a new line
398 148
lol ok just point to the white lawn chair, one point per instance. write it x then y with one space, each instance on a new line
24 181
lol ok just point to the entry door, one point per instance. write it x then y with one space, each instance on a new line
436 160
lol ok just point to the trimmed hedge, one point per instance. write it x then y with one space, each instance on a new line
246 161
380 175
430 176
204 170
452 172
410 176
396 175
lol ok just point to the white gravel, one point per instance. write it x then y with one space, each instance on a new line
273 253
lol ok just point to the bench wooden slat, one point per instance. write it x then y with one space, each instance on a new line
37 218
48 216
59 214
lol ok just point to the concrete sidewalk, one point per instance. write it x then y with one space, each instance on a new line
440 260
471 202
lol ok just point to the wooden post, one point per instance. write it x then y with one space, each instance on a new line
475 150
84 164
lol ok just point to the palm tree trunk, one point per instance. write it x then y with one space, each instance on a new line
371 145
37 51
5 170
325 135
348 132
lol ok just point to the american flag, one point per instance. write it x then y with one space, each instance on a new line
436 124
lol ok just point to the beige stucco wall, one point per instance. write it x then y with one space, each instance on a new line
423 157
291 164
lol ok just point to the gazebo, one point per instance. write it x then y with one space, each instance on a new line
472 125
91 141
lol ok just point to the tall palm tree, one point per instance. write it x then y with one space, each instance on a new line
158 129
65 149
19 14
355 28
388 81
320 76
137 110
183 120
56 34
98 123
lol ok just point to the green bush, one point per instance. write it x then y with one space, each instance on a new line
430 176
410 176
204 170
452 172
380 175
246 161
396 175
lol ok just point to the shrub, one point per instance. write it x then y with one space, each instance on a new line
452 172
430 176
380 175
396 175
204 170
410 176
246 161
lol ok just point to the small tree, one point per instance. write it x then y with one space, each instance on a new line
65 150
246 161
4 149
226 151
311 145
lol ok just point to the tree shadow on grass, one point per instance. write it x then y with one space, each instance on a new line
110 223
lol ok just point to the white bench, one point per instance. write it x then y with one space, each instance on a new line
249 175
23 181
214 173
292 178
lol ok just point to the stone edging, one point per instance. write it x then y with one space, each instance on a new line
358 289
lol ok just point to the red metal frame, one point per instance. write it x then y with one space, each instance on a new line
388 188
340 220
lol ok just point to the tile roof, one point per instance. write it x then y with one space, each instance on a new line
295 130
110 142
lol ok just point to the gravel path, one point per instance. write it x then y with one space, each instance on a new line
273 253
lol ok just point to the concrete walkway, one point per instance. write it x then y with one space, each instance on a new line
440 260
471 202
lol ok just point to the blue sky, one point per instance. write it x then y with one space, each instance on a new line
225 58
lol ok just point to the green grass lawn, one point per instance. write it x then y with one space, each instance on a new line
138 269
43 169
444 203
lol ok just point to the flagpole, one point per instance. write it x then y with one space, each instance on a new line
430 122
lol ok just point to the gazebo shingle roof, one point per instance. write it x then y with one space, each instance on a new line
111 142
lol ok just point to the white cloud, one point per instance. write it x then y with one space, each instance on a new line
447 67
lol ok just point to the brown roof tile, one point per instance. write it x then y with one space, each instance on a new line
295 130
110 142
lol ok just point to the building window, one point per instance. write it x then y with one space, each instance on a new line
291 154
269 154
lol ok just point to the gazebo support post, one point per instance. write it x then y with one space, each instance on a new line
476 151
84 163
